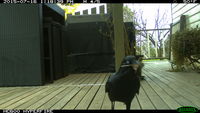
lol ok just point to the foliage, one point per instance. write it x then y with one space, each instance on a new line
69 8
185 44
127 14
109 34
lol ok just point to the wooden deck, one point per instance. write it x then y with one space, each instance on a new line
160 90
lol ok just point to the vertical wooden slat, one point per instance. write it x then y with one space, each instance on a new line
182 22
102 9
20 53
109 8
94 10
77 13
69 15
85 12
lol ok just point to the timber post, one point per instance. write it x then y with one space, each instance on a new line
117 14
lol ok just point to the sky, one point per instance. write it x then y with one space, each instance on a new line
149 10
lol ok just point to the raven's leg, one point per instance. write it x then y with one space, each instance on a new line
128 105
113 104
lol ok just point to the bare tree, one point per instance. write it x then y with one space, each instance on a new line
156 36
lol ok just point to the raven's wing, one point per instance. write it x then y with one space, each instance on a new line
137 86
108 83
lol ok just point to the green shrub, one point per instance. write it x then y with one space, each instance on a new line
185 44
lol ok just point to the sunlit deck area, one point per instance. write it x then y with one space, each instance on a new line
161 89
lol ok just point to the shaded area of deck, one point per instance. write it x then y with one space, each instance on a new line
160 90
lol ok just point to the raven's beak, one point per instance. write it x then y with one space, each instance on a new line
135 66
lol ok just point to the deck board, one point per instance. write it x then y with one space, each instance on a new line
135 105
154 97
163 94
144 100
85 102
78 97
98 99
161 89
175 92
6 104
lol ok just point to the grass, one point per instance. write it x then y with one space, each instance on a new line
154 59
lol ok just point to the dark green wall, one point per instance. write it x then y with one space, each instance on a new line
20 55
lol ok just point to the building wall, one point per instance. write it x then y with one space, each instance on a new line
192 12
20 55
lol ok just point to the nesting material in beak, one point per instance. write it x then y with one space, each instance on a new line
135 66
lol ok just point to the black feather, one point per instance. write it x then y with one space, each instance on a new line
123 85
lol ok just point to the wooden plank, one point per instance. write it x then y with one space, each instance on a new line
78 79
61 95
195 24
67 98
61 104
57 98
8 92
184 10
60 81
194 18
98 99
182 91
119 106
165 97
86 18
14 95
5 89
94 11
85 12
14 100
106 103
175 83
68 79
144 100
193 10
85 102
154 97
178 7
178 80
26 99
37 98
179 98
109 8
78 13
188 95
46 98
102 9
190 12
174 5
74 101
135 104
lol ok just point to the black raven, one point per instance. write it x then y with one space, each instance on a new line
125 83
